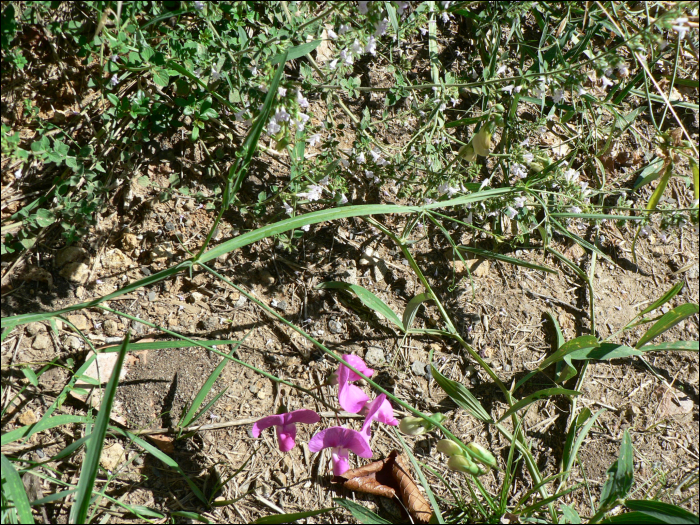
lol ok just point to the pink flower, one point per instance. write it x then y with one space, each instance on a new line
350 397
285 426
341 440
380 410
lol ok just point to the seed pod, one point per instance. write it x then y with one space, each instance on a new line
482 141
414 426
481 455
449 447
463 464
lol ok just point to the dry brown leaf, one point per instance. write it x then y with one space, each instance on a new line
389 477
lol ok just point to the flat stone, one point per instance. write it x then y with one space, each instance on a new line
71 254
152 296
76 272
418 368
374 356
73 342
41 342
28 417
34 328
335 327
79 320
111 456
111 327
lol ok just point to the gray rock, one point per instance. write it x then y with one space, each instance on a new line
41 342
151 296
73 343
34 328
209 324
418 368
169 226
374 356
335 327
111 327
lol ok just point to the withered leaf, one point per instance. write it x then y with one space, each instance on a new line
389 477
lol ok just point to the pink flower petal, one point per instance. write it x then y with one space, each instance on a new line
341 437
351 398
380 410
285 436
357 362
267 422
302 416
340 461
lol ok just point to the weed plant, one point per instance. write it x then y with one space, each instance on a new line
294 80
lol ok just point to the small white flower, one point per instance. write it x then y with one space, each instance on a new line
282 92
273 127
324 181
623 70
305 227
511 212
380 28
343 199
525 142
454 101
519 171
371 46
680 26
540 91
501 70
114 58
344 163
114 80
484 183
520 201
528 157
445 17
401 7
333 64
580 91
574 209
508 89
314 139
362 6
253 71
360 159
605 81
346 57
281 115
215 75
571 176
314 193
356 47
18 173
369 174
331 34
558 95
445 188
376 155
423 31
608 72
344 28
287 208
199 6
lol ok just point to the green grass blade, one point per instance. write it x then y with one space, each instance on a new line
204 409
13 490
668 321
41 425
585 341
368 299
564 369
686 346
460 395
91 465
412 308
620 474
570 453
293 516
597 216
295 52
541 394
504 258
665 512
662 300
360 513
162 345
206 388
632 518
605 352
660 188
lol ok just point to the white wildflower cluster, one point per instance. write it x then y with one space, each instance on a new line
282 117
520 201
571 176
680 26
314 192
446 189
519 170
511 212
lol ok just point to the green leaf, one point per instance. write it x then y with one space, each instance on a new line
295 52
31 376
13 489
460 395
360 513
541 394
564 369
665 512
650 173
632 518
687 346
412 308
668 321
660 188
605 352
43 424
569 514
504 258
293 516
368 299
572 447
585 341
663 300
91 464
620 474
44 217
161 77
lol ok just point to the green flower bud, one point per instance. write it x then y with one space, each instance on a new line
449 447
463 464
482 141
499 108
482 455
467 152
415 426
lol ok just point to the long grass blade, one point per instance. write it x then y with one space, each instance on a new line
13 490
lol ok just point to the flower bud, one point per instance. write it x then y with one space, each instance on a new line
415 426
481 455
449 447
463 464
467 152
482 141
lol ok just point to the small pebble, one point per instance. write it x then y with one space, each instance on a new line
151 296
374 356
418 368
335 327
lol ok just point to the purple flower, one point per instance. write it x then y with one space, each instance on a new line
285 426
350 397
380 410
341 440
